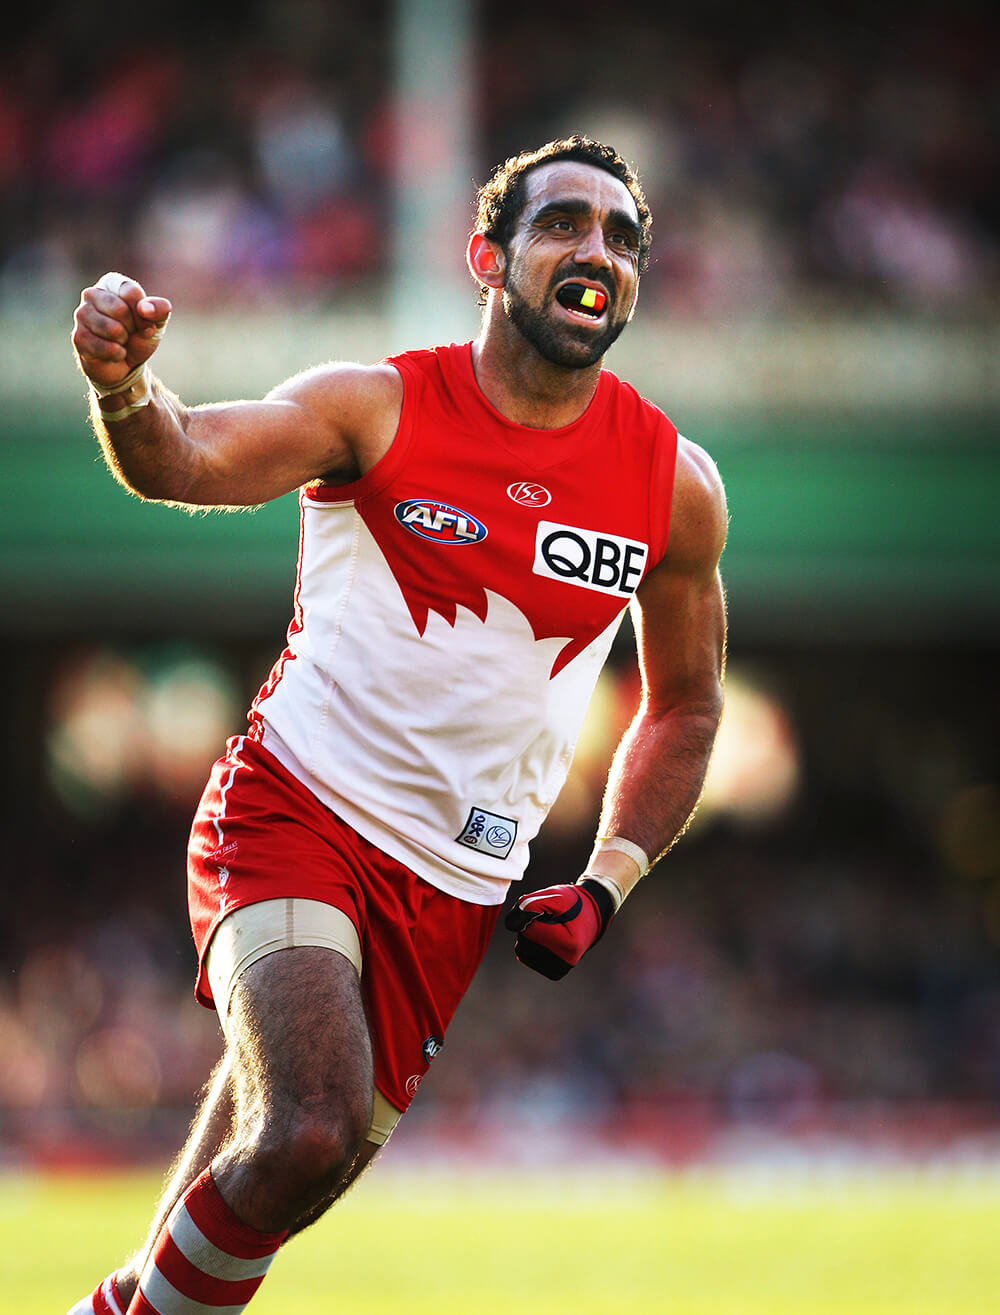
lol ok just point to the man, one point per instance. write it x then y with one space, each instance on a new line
475 520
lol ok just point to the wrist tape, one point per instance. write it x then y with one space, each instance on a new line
122 386
638 856
609 885
136 382
621 846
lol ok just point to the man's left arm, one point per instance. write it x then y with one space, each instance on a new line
659 768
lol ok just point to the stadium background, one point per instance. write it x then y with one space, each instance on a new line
818 962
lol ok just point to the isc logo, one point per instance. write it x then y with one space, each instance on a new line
439 522
588 558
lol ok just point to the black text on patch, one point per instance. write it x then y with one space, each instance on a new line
590 559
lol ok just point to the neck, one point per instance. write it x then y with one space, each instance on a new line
522 385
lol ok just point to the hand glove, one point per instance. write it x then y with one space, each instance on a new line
559 924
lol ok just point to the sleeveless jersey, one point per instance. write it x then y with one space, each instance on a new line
453 609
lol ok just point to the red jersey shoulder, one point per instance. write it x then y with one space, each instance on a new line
646 417
416 368
432 381
646 429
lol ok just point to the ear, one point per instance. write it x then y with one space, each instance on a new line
486 261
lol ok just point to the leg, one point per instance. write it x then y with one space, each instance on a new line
302 1066
301 1071
210 1131
362 1160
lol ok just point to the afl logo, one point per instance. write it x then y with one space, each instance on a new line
527 494
439 522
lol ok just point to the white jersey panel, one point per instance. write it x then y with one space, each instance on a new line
445 749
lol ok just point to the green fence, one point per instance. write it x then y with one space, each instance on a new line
857 527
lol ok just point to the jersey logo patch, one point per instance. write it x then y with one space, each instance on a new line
488 832
439 522
589 558
527 494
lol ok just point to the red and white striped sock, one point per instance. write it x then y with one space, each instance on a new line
104 1300
204 1257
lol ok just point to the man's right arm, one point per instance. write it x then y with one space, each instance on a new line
332 422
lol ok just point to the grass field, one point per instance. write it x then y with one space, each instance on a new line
445 1242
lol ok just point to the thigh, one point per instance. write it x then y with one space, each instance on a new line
260 835
298 1035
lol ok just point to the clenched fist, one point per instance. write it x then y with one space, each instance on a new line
117 328
558 925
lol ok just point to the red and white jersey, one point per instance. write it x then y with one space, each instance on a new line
453 610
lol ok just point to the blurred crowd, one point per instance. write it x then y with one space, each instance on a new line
829 931
833 947
794 155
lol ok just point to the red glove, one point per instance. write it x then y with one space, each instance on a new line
559 924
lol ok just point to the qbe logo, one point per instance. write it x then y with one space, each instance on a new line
589 558
439 522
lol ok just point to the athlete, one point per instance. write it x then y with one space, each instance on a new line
475 521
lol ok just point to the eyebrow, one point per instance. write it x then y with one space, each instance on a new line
577 206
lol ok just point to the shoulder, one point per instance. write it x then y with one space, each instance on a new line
699 517
360 403
354 411
638 408
342 384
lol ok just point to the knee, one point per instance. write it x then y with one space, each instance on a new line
312 1146
322 1143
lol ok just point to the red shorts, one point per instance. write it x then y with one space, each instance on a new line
260 834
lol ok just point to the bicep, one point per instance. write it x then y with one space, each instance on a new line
679 610
680 625
251 452
331 422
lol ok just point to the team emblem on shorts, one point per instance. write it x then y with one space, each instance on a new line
488 832
439 522
432 1046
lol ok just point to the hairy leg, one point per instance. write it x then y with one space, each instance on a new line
303 1086
210 1132
362 1160
280 1052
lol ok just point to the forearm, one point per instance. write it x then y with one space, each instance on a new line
653 787
655 782
147 449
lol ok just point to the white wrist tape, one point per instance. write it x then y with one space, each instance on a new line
123 412
610 885
123 385
638 856
139 394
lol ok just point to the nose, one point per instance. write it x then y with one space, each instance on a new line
591 248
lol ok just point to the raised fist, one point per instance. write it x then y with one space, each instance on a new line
117 327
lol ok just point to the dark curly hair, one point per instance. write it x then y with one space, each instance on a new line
499 202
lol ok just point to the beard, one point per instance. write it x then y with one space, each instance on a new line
558 342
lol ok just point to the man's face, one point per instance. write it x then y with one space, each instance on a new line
573 263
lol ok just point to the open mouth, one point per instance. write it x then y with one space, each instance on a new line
587 302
